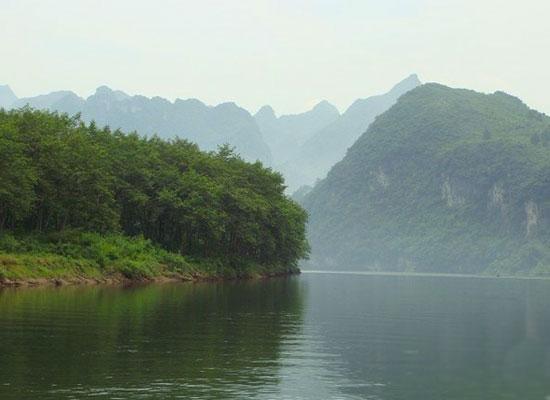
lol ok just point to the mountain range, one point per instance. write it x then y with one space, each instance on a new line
423 178
191 119
312 159
286 134
301 146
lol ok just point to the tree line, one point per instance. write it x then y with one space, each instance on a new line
58 173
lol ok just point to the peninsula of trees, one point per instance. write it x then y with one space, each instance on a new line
79 200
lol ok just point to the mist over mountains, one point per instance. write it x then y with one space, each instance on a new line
301 146
314 158
191 119
286 134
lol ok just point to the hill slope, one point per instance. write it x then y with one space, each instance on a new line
447 180
328 146
191 119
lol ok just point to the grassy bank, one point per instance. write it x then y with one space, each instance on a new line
81 257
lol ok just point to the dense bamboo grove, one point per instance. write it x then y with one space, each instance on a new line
59 174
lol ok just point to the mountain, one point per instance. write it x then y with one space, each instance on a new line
327 146
7 97
299 195
63 100
205 125
285 134
447 180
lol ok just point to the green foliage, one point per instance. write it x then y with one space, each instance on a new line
58 175
447 180
72 253
17 176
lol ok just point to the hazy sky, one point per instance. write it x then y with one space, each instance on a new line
288 53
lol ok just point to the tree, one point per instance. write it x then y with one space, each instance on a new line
17 177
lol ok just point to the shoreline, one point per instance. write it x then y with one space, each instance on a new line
121 280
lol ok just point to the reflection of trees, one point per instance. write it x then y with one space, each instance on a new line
173 339
436 338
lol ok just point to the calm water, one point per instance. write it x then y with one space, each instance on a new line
317 336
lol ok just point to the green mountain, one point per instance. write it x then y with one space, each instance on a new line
447 180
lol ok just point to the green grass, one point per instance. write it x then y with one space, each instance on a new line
74 254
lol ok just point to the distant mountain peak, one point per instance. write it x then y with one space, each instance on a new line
7 97
406 84
266 112
228 104
192 102
106 91
325 106
6 89
399 89
103 89
231 107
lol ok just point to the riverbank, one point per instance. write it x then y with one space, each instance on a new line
90 259
119 279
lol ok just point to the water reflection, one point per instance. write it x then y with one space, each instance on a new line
207 341
314 337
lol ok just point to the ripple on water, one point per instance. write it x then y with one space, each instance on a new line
317 336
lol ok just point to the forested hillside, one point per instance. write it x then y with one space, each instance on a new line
67 188
447 180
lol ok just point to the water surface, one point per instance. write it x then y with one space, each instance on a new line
317 336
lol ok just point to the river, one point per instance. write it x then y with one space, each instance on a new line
315 336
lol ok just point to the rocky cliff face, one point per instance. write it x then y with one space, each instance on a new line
447 180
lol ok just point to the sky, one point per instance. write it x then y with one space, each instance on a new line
290 54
